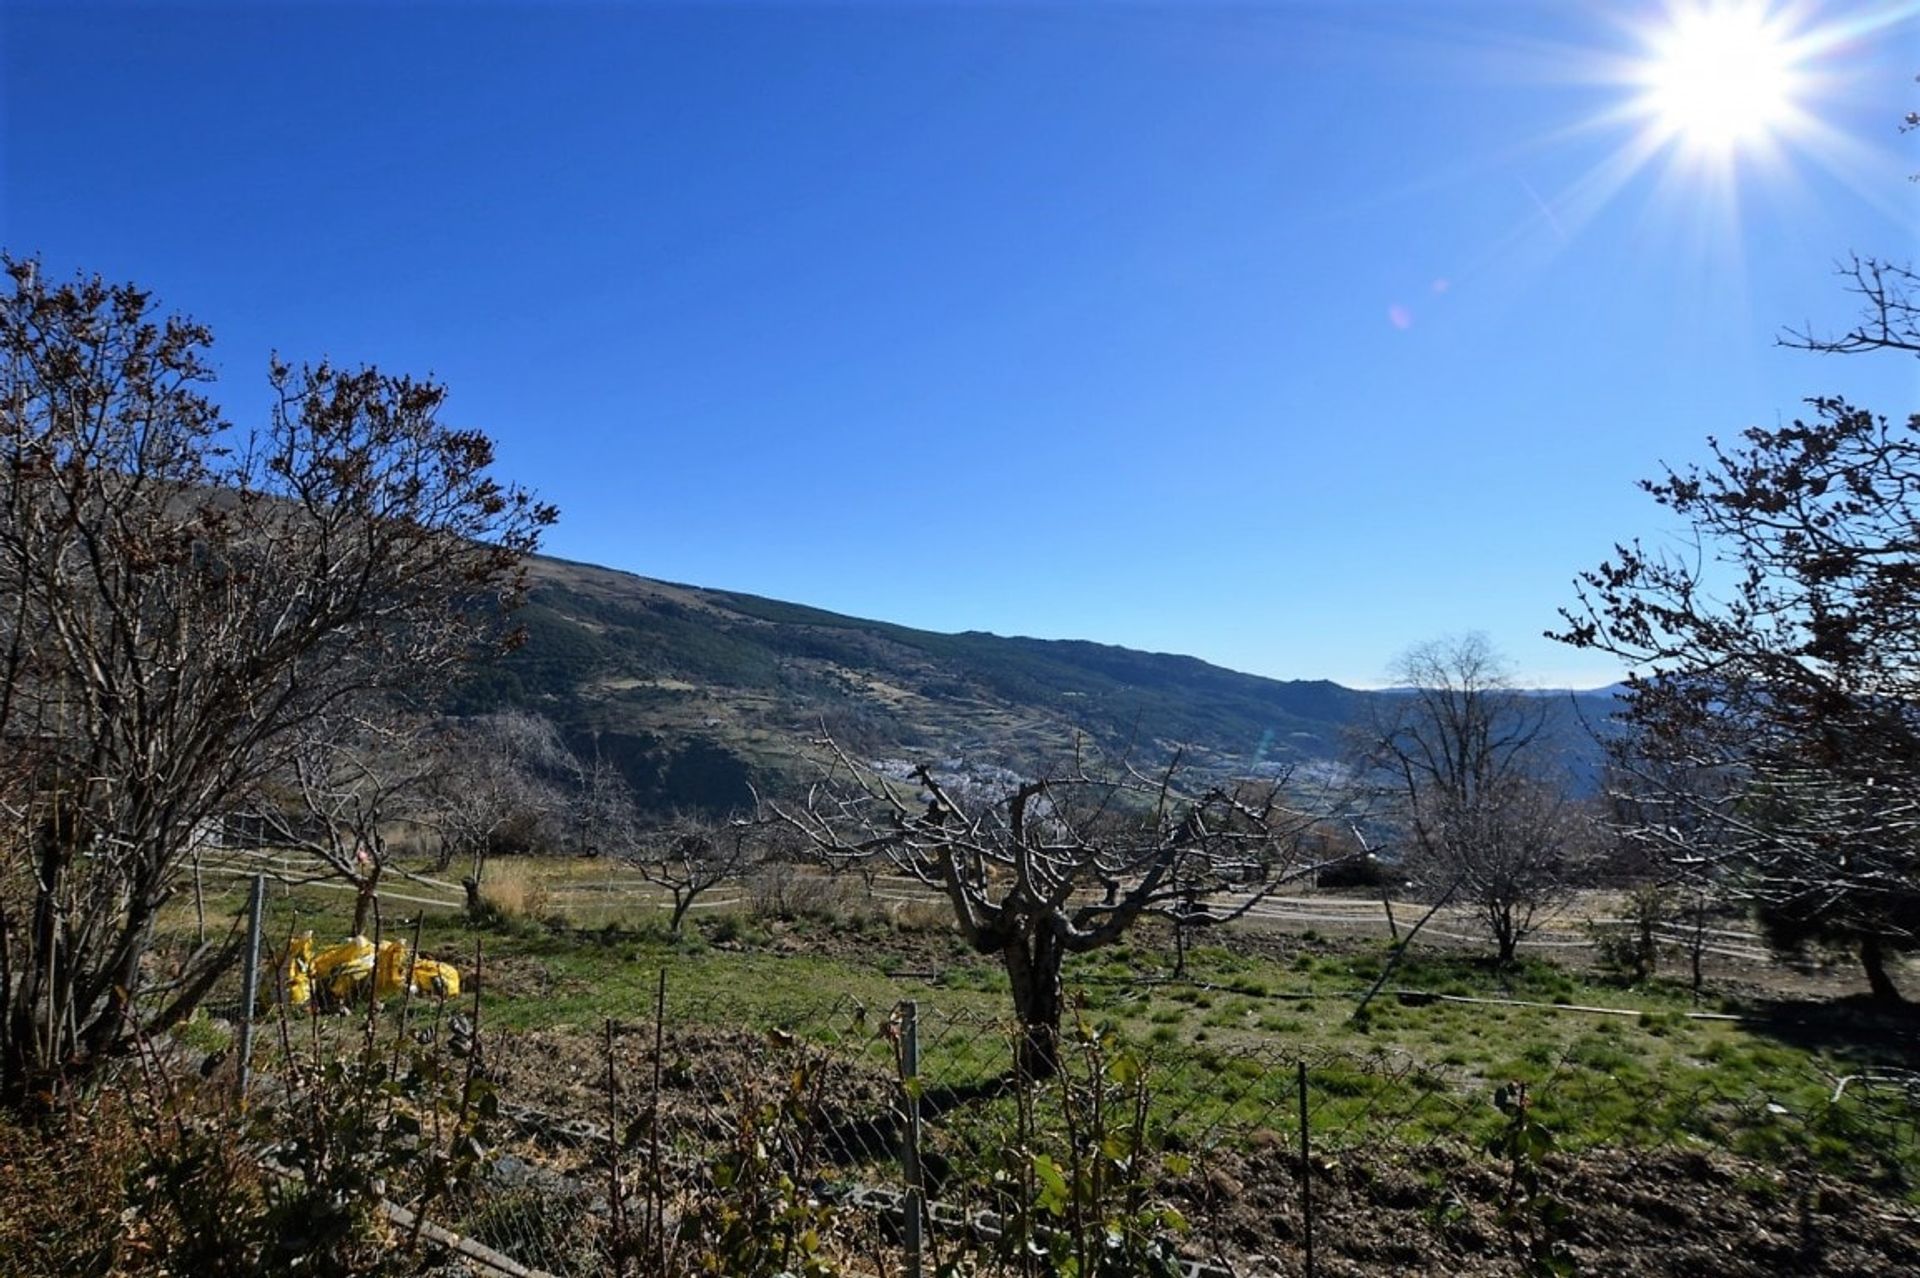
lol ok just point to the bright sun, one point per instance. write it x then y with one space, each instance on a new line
1719 98
1720 76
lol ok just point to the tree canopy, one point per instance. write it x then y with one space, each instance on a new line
179 598
1464 759
1777 670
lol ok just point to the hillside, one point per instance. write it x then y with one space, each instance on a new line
693 692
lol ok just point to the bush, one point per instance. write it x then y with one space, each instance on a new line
1630 948
783 890
1358 872
160 1179
733 928
513 894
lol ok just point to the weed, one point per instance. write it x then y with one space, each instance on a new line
1535 1215
1079 1175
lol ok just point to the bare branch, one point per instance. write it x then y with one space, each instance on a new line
1060 863
1464 757
179 599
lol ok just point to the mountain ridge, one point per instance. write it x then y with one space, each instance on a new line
699 694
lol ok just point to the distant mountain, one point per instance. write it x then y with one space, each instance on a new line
695 693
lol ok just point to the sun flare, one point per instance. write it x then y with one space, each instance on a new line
1721 76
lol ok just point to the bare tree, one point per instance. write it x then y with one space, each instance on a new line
177 598
1061 864
349 780
1465 757
500 779
692 854
1512 858
603 812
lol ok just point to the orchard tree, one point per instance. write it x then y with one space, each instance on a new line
499 780
1776 658
349 779
691 854
1060 864
179 598
1777 668
1464 761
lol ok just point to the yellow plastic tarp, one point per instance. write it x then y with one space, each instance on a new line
342 969
436 978
343 966
390 969
299 969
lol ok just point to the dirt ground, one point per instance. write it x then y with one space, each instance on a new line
1442 1211
1439 1208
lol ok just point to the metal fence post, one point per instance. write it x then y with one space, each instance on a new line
622 1241
250 981
914 1213
1306 1170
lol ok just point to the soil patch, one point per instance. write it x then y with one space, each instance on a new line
1441 1209
1445 1210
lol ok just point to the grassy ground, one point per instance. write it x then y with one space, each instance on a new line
1755 1075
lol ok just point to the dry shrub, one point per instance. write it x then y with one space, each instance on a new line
156 1177
783 890
920 916
515 891
60 1212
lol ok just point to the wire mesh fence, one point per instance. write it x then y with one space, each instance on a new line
710 1136
805 1133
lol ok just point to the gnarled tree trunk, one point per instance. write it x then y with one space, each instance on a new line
1032 961
364 893
1873 957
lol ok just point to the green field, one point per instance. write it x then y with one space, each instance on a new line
1606 1063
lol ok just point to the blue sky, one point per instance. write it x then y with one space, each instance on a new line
1286 335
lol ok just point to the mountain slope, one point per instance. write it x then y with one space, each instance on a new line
695 692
